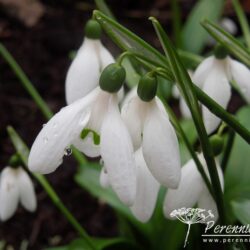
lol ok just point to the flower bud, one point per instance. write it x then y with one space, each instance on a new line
93 29
217 144
220 52
147 87
112 78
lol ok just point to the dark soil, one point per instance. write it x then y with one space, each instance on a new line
43 52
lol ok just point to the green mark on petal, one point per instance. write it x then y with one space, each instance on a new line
96 136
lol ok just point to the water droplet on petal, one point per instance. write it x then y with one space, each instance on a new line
44 125
101 162
67 151
105 170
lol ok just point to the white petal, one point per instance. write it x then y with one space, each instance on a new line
62 129
184 109
217 87
9 193
202 71
117 154
241 74
188 192
133 114
146 191
105 57
104 178
160 148
84 72
26 190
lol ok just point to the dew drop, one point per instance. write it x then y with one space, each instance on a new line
101 162
44 125
67 151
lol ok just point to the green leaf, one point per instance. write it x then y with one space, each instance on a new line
103 7
101 244
227 40
241 209
128 41
243 21
193 36
187 90
237 174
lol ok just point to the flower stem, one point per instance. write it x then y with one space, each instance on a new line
228 149
67 214
26 83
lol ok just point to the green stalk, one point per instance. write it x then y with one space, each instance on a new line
243 21
26 83
23 152
228 149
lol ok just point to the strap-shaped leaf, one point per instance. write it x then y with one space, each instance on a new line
187 89
227 40
194 38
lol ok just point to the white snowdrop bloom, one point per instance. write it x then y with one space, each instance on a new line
98 112
151 129
15 186
228 25
192 190
183 106
91 58
213 76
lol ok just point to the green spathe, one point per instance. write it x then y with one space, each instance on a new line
93 29
112 78
147 87
217 144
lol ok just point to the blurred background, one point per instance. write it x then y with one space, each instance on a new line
41 35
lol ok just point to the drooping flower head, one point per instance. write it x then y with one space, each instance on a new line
93 125
91 58
192 190
151 129
15 186
213 76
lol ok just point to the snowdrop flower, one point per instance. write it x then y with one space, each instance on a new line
96 113
183 106
213 76
192 190
151 129
146 188
91 58
15 186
